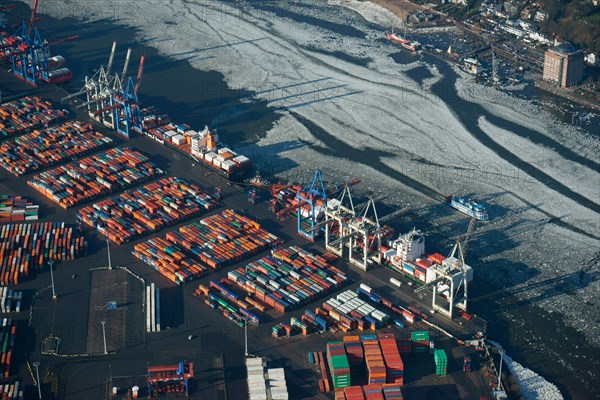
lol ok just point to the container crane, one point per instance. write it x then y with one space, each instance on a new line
112 99
455 273
29 54
312 198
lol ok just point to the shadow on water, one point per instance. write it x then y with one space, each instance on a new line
176 88
469 113
419 74
366 156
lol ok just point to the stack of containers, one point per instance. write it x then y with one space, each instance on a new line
8 333
352 393
374 359
392 392
17 209
26 114
373 392
169 260
223 239
47 147
354 350
350 312
27 246
230 303
94 176
420 341
441 361
10 300
146 209
207 245
257 387
393 361
277 387
338 364
288 278
12 391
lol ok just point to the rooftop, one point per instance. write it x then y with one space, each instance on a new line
565 47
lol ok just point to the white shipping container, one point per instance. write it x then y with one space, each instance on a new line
241 160
152 308
210 156
365 288
228 165
178 139
224 150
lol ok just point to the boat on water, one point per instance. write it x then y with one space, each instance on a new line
403 41
469 207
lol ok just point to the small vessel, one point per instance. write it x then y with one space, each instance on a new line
472 66
258 180
403 41
468 206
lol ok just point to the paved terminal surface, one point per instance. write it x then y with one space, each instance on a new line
217 347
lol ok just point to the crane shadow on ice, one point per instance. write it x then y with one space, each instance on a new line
220 46
268 158
549 288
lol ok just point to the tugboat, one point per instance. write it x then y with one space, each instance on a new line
468 206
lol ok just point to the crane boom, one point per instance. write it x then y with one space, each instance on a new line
105 109
289 209
111 57
33 11
126 65
140 72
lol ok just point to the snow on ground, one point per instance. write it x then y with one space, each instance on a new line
533 386
370 11
342 99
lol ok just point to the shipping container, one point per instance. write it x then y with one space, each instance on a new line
26 114
47 147
17 209
29 246
147 209
210 244
94 176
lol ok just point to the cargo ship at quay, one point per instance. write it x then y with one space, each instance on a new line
118 180
403 41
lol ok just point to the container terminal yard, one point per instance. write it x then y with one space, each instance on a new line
136 314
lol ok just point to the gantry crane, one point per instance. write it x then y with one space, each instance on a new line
455 273
361 232
312 198
111 98
30 54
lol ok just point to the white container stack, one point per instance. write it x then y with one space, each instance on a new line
152 309
257 387
10 300
276 388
